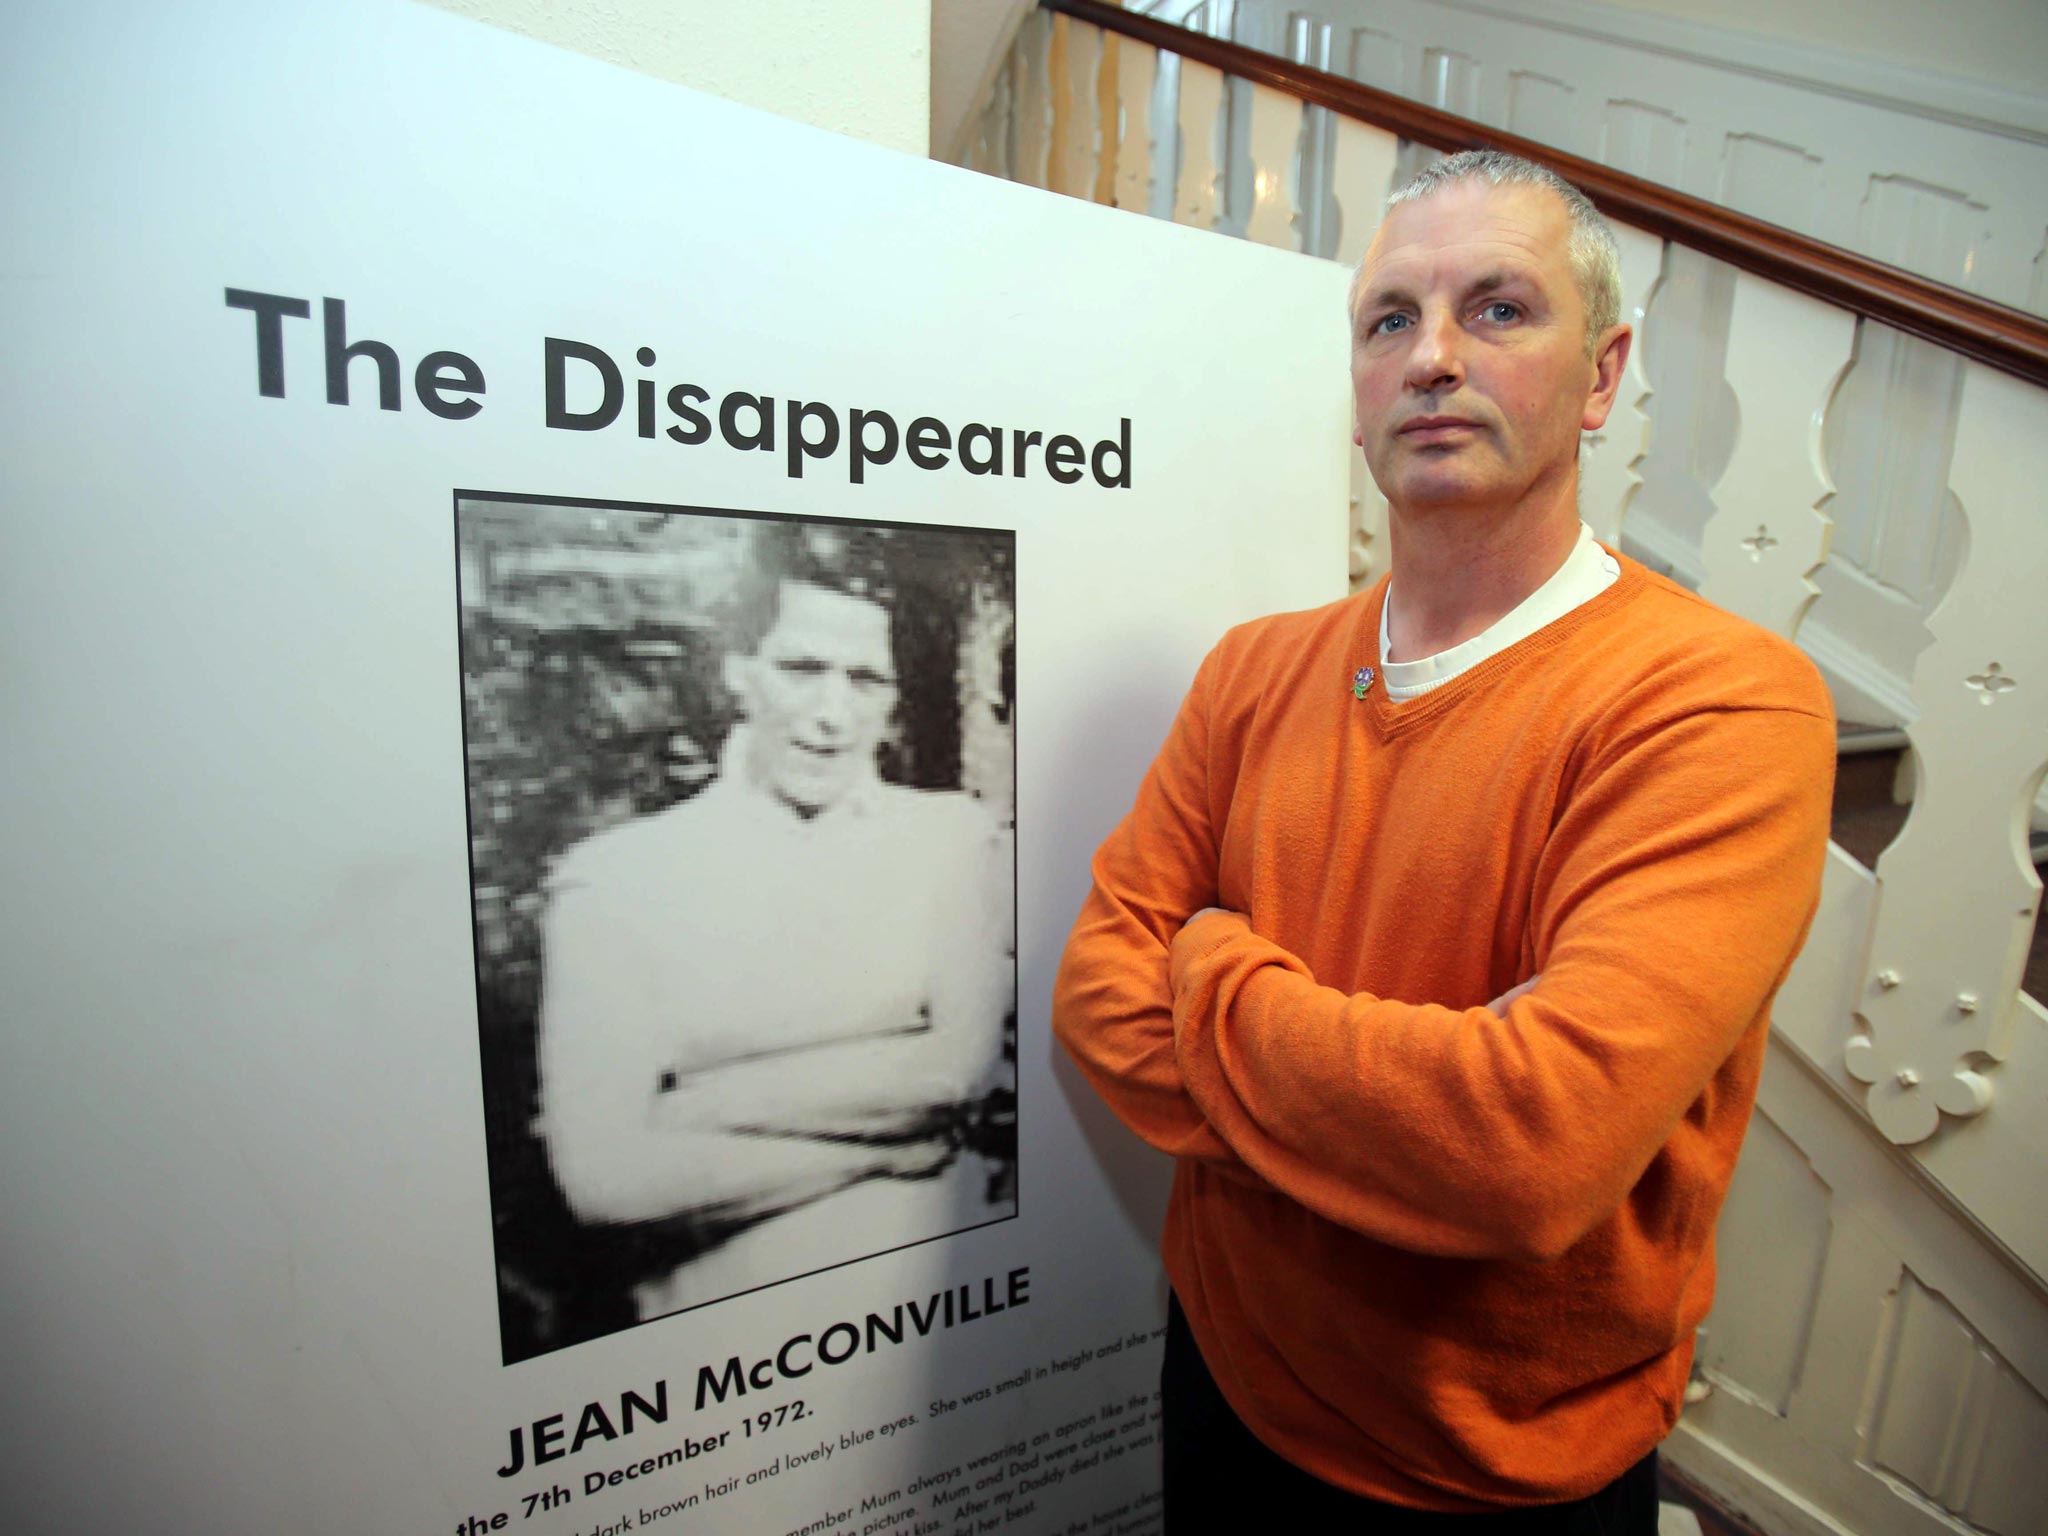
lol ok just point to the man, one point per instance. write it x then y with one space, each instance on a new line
767 1011
1439 945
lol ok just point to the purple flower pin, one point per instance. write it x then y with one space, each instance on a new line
1360 681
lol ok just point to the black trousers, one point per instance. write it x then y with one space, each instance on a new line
1221 1478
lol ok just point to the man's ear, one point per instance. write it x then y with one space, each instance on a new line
1610 362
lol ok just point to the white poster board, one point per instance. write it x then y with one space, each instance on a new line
327 666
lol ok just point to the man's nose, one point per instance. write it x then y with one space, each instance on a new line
1435 356
832 703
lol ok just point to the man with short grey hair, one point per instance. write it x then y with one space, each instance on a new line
1439 945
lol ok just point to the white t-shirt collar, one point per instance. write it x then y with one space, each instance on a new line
1587 571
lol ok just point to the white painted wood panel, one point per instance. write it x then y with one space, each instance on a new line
1913 1401
1773 1246
1543 107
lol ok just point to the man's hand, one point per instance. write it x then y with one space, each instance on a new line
1206 911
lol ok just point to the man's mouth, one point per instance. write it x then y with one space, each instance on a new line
1436 429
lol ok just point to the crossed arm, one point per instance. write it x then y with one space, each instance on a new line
1679 882
632 1139
638 1131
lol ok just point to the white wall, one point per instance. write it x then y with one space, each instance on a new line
860 67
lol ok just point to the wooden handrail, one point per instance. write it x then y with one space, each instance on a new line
2010 340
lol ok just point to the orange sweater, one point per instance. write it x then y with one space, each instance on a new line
1435 1255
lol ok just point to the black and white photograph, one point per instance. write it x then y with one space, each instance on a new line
742 827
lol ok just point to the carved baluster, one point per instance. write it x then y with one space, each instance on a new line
1136 68
1201 111
1275 138
1957 893
1309 42
1607 471
1059 127
1078 146
980 157
1786 353
1368 551
1361 175
1031 60
1102 188
1002 109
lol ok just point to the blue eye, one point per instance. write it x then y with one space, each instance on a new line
1389 323
1501 311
